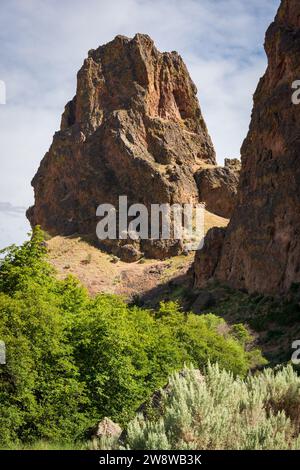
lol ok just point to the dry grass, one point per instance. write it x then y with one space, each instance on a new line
101 272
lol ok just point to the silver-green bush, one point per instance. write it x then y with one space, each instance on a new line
218 411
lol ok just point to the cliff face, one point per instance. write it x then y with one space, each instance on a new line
134 128
261 249
218 187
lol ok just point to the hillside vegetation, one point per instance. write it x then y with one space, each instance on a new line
73 359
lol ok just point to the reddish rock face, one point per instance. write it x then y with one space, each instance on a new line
134 128
261 250
206 260
218 187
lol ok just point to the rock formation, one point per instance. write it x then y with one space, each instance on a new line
218 187
206 260
134 128
106 429
261 249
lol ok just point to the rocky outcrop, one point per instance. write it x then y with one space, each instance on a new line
218 187
134 128
261 249
206 260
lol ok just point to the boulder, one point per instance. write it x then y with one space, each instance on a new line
218 186
106 429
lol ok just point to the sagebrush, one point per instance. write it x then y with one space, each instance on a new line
216 410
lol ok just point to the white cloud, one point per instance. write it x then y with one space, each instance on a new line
45 42
8 208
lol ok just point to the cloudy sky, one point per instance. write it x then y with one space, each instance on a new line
44 42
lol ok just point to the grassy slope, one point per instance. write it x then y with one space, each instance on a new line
275 323
101 272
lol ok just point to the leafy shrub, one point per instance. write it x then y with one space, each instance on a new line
40 391
218 411
73 359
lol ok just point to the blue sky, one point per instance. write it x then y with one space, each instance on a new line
44 43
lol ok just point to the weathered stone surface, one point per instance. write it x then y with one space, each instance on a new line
261 250
134 128
218 187
106 428
206 260
233 164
